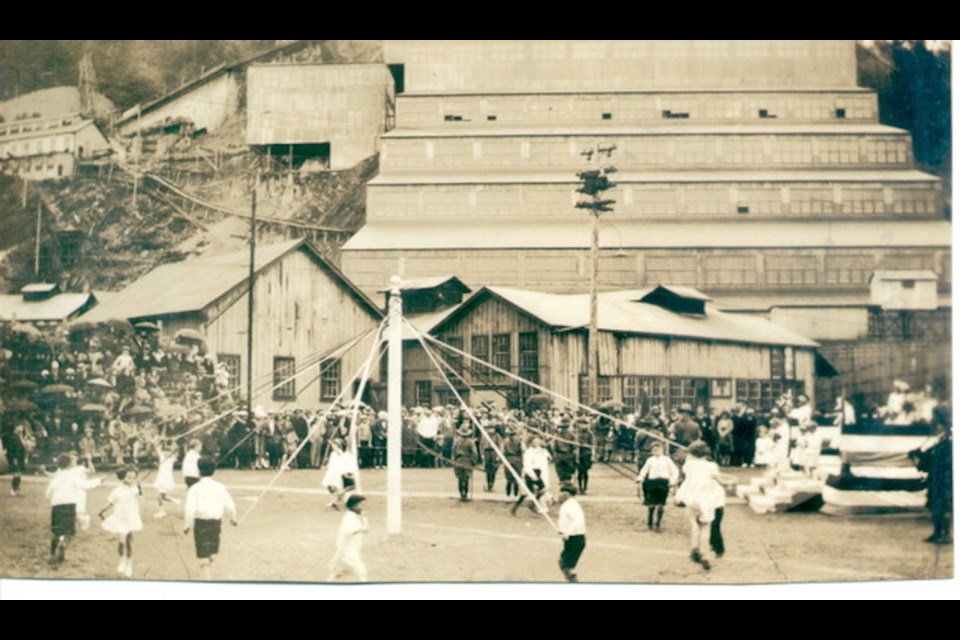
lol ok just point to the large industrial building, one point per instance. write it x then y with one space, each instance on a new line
752 170
755 171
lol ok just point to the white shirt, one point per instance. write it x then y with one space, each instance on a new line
208 500
659 468
190 468
537 458
350 535
571 521
67 486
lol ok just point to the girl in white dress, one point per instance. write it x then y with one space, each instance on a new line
165 483
125 519
702 495
340 477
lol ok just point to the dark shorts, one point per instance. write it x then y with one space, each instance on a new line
190 481
349 482
463 473
572 549
655 491
534 485
206 537
63 520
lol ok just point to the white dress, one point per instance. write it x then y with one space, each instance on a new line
340 464
700 490
165 481
126 510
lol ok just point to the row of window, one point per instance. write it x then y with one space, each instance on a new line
284 382
656 150
29 147
641 393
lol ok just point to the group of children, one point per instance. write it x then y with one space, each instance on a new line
206 503
702 493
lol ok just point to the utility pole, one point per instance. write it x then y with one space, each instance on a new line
394 402
251 277
36 253
593 183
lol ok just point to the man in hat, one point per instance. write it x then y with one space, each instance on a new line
572 526
586 444
465 458
349 543
491 461
565 451
686 430
744 435
513 452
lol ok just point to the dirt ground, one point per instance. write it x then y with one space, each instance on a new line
286 535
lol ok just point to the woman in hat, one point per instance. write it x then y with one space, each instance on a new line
586 444
465 458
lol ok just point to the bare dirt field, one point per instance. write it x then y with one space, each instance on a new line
287 536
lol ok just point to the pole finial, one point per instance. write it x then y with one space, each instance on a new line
395 282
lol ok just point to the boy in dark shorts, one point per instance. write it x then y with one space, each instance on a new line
658 474
65 490
207 500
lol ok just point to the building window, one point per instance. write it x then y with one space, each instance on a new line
232 363
765 113
748 392
452 118
453 359
909 284
606 116
743 209
329 379
491 118
720 388
285 387
501 351
778 369
424 393
529 349
840 113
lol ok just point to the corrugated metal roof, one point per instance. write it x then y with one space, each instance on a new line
58 307
904 275
425 322
517 92
619 315
525 176
418 284
533 131
193 285
574 233
765 301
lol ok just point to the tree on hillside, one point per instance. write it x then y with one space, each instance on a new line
913 88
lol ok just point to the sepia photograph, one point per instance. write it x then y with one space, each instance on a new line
544 318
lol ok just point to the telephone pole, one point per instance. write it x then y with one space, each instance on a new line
593 183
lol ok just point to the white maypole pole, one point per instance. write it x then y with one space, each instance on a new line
394 403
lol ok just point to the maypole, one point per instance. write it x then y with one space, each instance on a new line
394 403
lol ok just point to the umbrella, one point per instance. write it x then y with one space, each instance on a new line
53 389
94 408
189 335
146 326
614 405
22 405
100 382
140 410
540 400
24 385
119 325
81 327
26 329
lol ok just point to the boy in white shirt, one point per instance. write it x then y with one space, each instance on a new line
572 526
66 489
658 474
207 502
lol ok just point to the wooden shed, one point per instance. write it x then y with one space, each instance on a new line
303 307
662 345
